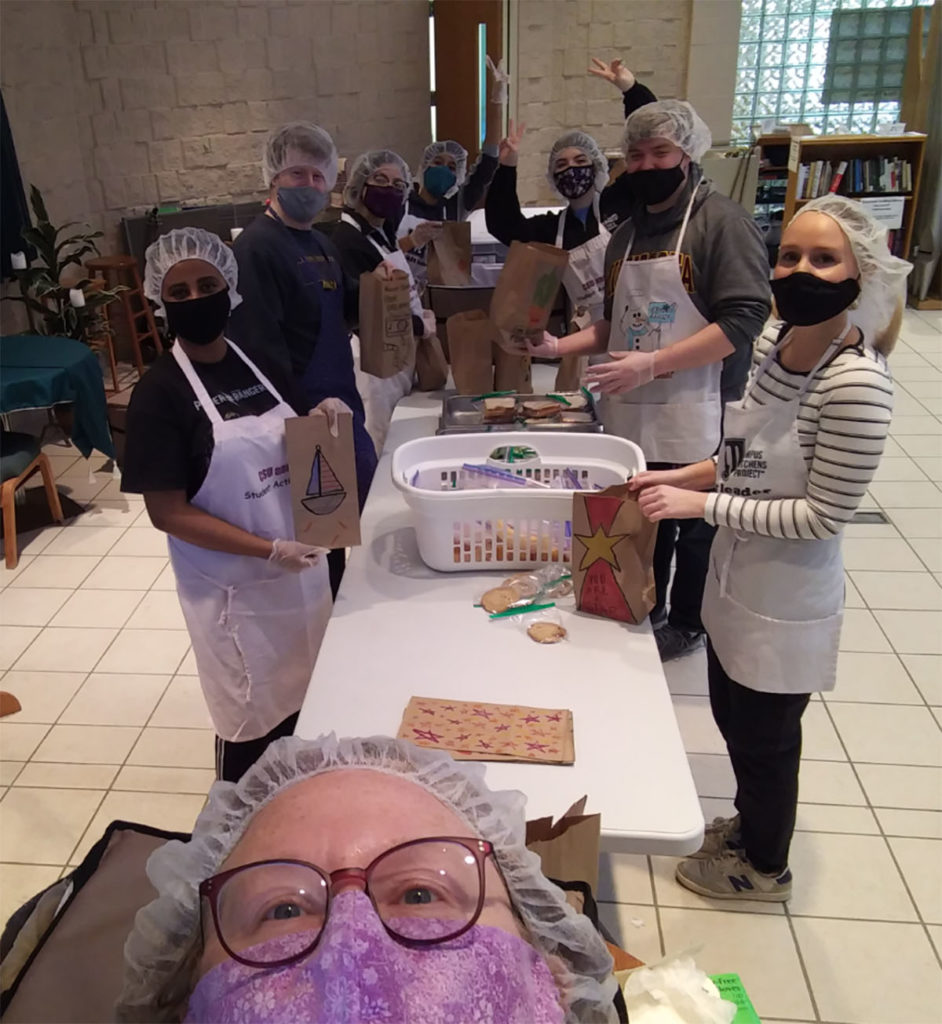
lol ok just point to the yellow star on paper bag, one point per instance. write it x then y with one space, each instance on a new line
600 546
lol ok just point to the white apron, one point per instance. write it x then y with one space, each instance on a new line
772 607
677 418
255 628
584 281
381 395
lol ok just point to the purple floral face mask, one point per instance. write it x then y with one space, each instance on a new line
358 974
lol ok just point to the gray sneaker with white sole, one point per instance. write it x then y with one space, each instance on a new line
729 876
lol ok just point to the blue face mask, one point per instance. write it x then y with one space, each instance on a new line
439 180
303 203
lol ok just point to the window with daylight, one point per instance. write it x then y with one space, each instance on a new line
836 65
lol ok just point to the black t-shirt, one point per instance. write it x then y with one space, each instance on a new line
170 438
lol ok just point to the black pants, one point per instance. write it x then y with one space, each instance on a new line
689 541
336 563
763 736
233 759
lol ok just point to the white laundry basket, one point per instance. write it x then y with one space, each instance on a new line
504 526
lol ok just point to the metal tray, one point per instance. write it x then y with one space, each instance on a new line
464 414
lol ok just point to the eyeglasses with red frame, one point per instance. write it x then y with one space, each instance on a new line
424 891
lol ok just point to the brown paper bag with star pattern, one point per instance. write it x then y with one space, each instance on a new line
612 555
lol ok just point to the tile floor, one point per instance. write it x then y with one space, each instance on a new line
113 725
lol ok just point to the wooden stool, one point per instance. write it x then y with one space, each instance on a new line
136 306
102 341
20 458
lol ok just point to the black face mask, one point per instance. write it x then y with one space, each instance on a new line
654 186
199 321
804 299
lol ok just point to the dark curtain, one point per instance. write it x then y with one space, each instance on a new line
14 213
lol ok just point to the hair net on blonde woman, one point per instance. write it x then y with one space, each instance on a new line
882 275
367 164
588 145
674 120
299 144
188 244
447 147
162 951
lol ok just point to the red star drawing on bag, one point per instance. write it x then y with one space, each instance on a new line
481 713
531 718
427 711
537 746
501 728
448 707
553 718
463 736
455 721
484 745
427 734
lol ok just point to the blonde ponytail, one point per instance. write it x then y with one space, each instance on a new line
884 341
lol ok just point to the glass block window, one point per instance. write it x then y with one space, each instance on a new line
794 64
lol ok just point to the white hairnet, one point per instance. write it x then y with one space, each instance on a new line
451 148
188 244
299 144
364 165
882 275
588 145
675 120
165 943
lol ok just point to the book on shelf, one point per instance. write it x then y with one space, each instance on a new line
838 176
858 176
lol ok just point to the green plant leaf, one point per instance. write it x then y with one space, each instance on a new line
38 204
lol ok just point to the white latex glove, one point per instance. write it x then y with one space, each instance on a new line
546 348
294 556
426 232
331 408
614 72
428 319
384 271
500 80
627 370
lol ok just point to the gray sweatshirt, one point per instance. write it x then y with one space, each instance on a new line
725 268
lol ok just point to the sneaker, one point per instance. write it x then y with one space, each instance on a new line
722 834
674 643
729 876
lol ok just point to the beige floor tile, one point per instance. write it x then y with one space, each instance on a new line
48 775
624 878
861 633
144 541
188 665
873 678
110 608
688 675
9 771
697 728
819 740
846 876
917 522
165 780
926 670
176 748
670 893
912 632
160 609
35 542
30 606
43 695
870 973
14 640
713 775
919 824
19 883
634 928
829 782
19 740
7 576
115 699
166 580
908 424
745 944
87 744
85 540
118 572
62 572
182 706
935 932
81 489
830 818
932 466
902 786
176 812
113 492
899 590
42 826
60 649
870 553
929 551
852 598
109 513
888 734
919 445
149 651
871 531
919 860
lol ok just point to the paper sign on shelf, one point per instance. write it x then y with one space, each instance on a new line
888 210
794 147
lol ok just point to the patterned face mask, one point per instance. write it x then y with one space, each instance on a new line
575 181
358 974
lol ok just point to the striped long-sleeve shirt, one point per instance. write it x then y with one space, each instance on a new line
842 426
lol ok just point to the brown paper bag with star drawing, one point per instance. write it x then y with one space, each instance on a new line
612 554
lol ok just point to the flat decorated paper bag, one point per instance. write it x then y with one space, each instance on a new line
473 731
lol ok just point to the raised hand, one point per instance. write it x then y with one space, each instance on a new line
509 150
614 72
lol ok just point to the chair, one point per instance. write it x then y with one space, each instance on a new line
20 458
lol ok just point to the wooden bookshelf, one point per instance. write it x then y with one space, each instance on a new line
806 149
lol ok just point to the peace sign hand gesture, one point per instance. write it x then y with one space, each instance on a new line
615 72
509 150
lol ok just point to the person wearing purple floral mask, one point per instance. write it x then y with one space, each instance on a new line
360 881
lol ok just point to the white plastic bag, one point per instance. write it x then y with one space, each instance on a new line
675 992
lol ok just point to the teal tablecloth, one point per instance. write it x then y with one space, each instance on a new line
37 372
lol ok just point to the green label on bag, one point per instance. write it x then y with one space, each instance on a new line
731 988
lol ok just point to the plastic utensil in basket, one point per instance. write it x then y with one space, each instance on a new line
461 526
